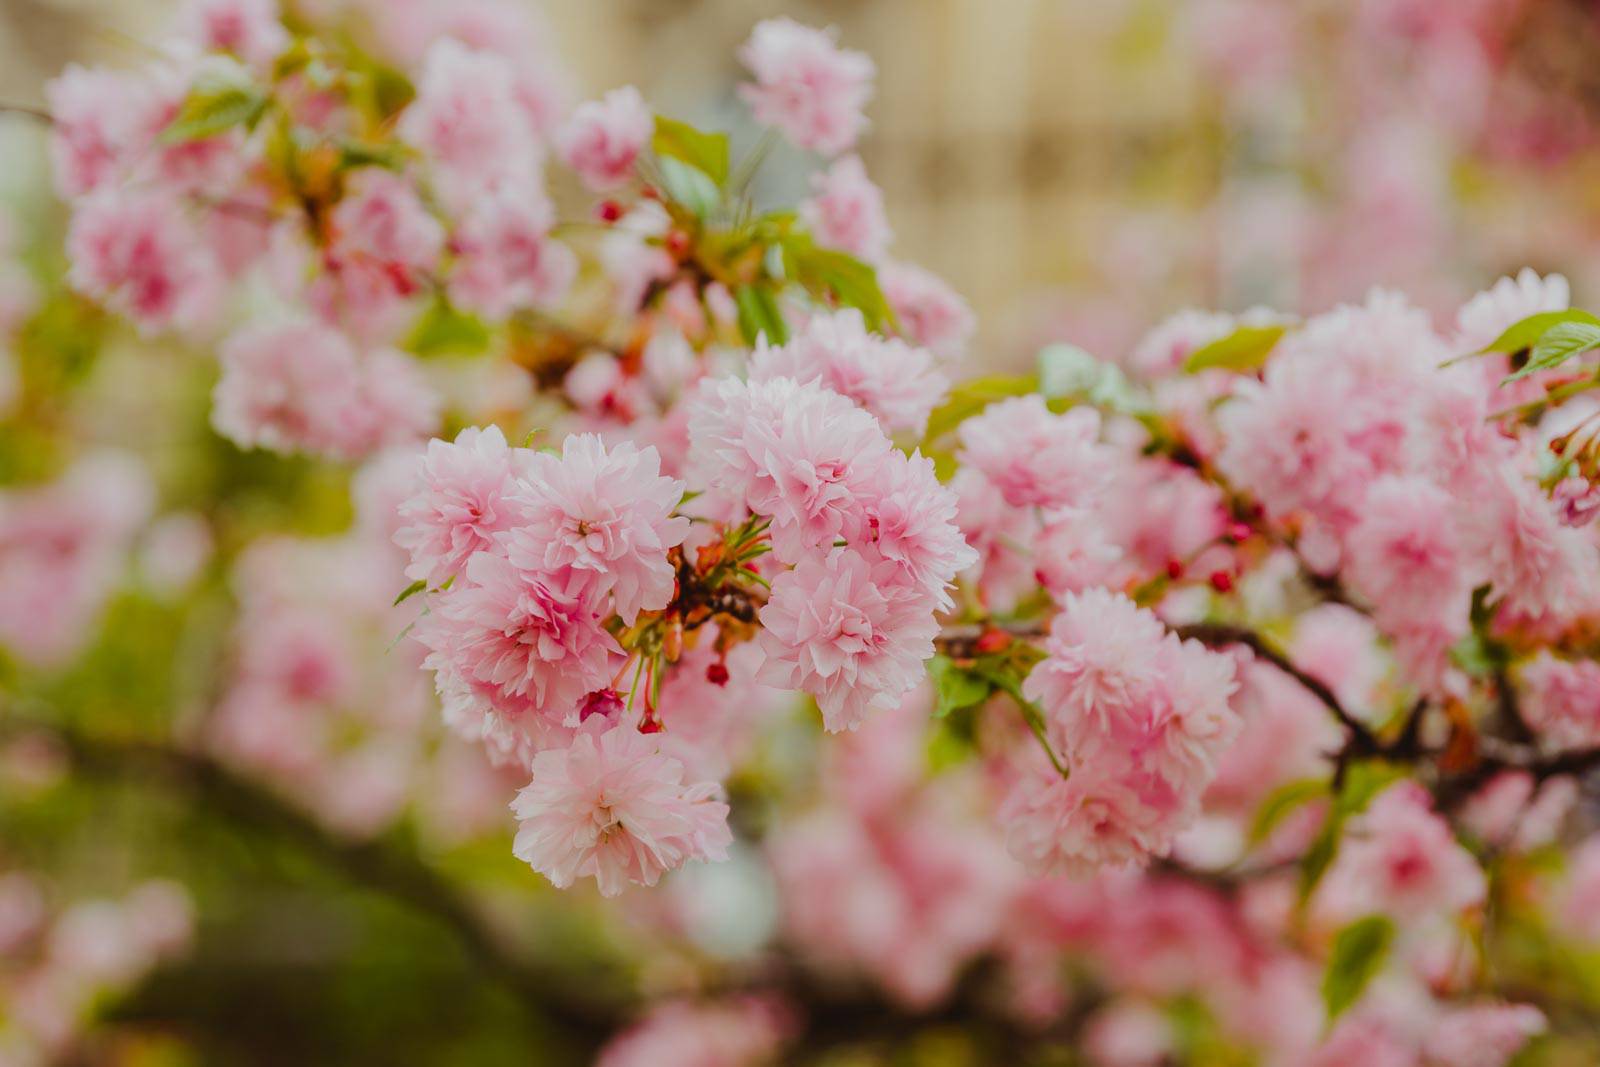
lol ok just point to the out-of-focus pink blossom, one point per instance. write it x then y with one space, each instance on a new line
506 257
139 253
1562 700
250 29
1482 1035
745 1032
928 311
845 211
1037 458
806 85
602 138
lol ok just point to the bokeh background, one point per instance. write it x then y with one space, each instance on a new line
1077 169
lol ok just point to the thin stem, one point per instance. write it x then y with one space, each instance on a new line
38 114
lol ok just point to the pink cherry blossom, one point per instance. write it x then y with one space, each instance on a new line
139 254
1405 556
895 381
604 516
1562 700
1482 1035
799 454
806 85
100 120
845 211
1080 824
929 312
1037 458
529 643
602 138
381 226
250 29
844 628
301 386
613 808
506 257
468 121
744 1032
911 522
459 503
1399 858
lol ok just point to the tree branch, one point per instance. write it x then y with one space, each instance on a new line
378 865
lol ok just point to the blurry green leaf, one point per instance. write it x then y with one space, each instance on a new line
1557 345
210 110
1363 780
705 152
411 590
971 397
691 187
759 314
1246 348
443 330
1281 802
1359 952
360 154
827 273
955 687
1526 332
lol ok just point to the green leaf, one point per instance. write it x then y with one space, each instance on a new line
971 397
1363 780
1557 345
956 687
691 187
1281 802
210 110
1526 332
1246 348
827 273
410 591
1359 952
705 152
360 154
443 330
760 315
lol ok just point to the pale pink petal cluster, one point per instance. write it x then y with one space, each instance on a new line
1561 700
845 629
604 516
612 807
505 256
141 255
603 138
895 381
806 85
741 1032
303 387
459 503
1400 858
1036 458
1140 718
845 211
927 310
249 29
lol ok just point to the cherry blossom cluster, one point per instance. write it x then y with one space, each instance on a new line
61 960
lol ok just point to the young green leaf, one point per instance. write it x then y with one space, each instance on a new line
760 315
1359 952
690 186
1557 345
210 110
705 152
955 687
443 330
828 273
1525 333
410 591
1281 802
1246 348
971 397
